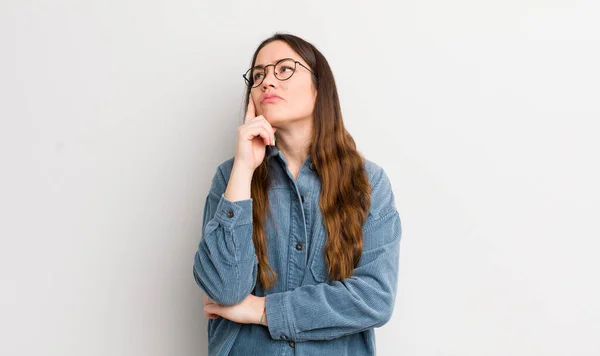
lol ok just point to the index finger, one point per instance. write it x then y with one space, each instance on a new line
251 111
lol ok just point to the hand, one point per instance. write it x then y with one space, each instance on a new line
252 138
248 311
208 301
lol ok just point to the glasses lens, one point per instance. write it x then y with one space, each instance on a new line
285 69
257 75
254 77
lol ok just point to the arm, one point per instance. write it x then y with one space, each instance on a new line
365 300
225 263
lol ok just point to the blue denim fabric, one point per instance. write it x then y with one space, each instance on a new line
307 313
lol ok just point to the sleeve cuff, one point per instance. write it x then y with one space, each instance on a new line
230 214
278 317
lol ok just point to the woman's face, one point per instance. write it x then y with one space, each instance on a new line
297 94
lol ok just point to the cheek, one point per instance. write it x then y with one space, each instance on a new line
303 99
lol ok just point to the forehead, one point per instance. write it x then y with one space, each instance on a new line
275 51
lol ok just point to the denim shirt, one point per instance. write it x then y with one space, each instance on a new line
307 313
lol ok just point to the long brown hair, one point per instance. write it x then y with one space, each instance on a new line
345 197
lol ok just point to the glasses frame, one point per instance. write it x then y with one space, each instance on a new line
274 72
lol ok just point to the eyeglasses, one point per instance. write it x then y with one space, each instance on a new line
284 69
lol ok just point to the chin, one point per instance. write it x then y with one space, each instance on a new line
274 115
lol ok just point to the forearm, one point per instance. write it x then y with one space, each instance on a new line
239 184
225 263
329 310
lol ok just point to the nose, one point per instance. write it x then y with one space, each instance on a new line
270 78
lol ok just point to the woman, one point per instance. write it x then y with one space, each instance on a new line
300 240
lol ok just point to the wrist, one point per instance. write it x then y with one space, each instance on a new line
239 186
243 172
263 311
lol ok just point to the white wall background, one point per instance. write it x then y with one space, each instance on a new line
114 115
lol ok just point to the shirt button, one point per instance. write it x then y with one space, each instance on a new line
283 337
302 197
292 344
230 213
299 246
312 166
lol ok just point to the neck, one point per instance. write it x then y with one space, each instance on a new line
294 142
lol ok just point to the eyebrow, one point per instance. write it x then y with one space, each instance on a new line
262 65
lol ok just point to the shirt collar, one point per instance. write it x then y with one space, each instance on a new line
271 152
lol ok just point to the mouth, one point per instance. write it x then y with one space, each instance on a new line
270 99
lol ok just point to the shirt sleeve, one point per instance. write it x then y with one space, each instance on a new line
365 300
225 263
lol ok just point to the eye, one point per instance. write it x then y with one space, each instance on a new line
286 68
257 76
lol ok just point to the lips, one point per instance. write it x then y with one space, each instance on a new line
270 99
